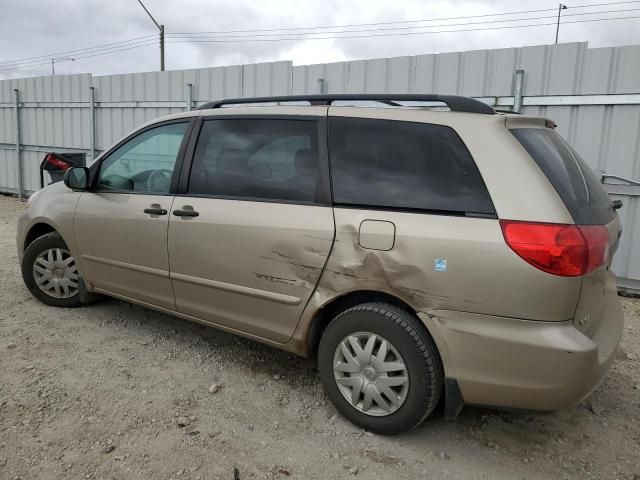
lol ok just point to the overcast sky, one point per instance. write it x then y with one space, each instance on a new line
47 28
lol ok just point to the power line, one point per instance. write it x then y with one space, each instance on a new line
292 35
73 52
175 36
81 54
395 34
365 24
409 21
89 54
154 42
34 65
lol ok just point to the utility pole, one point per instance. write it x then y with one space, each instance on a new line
560 8
162 48
161 28
59 59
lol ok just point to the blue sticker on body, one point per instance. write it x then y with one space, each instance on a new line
440 265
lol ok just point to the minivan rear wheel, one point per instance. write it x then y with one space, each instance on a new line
380 367
50 272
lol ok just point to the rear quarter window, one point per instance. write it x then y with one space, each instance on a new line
404 165
576 183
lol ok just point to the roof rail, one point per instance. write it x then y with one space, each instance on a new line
455 103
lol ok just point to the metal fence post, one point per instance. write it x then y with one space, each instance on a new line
92 121
18 153
189 97
321 86
518 90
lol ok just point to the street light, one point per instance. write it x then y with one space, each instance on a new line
560 8
161 28
59 59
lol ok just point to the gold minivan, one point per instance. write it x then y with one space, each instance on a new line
422 253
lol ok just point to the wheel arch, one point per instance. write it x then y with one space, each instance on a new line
37 230
332 308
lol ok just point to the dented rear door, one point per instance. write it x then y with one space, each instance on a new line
258 227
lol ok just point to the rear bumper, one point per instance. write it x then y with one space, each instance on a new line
523 364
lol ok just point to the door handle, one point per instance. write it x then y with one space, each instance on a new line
155 211
185 213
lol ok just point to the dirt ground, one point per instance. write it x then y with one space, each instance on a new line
117 391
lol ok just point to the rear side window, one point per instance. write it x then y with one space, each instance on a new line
575 182
257 158
404 165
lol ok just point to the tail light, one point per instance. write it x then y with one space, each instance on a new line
564 250
57 162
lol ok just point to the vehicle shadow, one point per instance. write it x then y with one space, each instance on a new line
519 432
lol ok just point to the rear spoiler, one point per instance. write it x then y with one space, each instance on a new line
524 121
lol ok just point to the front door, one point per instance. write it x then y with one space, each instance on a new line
249 237
121 225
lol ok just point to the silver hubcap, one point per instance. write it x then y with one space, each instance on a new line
371 374
56 273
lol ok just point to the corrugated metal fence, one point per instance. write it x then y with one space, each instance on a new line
88 114
593 94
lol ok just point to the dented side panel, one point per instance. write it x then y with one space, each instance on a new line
440 262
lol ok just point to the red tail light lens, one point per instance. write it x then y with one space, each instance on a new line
597 238
53 159
564 250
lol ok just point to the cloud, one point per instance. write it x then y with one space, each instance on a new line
44 27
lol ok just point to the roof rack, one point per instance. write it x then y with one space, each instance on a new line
504 110
455 103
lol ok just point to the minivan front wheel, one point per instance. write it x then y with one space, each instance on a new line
50 272
380 367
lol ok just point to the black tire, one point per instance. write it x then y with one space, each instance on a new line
35 248
411 339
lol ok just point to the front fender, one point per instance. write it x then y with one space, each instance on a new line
54 206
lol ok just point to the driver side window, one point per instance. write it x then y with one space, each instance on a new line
145 163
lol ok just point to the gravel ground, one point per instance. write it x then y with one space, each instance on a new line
118 391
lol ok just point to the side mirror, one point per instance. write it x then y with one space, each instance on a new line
77 178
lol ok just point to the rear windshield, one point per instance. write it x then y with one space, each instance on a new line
573 179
